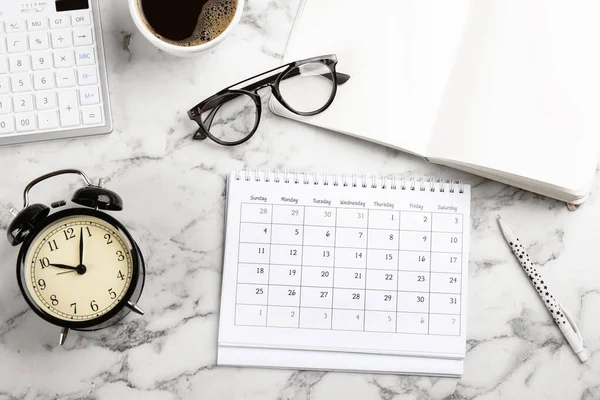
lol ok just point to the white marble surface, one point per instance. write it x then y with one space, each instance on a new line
173 191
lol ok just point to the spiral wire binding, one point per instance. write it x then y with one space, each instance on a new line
345 180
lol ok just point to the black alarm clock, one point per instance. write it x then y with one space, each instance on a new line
78 267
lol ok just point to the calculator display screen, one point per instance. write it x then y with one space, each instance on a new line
70 5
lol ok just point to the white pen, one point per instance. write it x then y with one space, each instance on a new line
561 317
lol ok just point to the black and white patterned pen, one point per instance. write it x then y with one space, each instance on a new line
561 317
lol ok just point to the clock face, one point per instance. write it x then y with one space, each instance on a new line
78 268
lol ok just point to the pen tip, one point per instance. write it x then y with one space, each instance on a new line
498 217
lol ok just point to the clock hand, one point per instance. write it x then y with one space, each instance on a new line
63 266
81 246
66 272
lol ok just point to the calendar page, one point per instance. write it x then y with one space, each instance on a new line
345 263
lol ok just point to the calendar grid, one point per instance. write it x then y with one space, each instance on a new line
429 280
239 244
366 274
311 291
333 269
398 272
269 271
301 268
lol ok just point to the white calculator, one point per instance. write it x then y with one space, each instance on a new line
53 80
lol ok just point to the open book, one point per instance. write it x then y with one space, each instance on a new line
493 88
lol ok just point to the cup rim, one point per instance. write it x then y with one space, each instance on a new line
144 28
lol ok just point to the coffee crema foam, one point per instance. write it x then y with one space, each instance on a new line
214 18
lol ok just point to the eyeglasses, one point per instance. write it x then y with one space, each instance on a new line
306 87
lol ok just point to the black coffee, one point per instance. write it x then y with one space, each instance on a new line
188 22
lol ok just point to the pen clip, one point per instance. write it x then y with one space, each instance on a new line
571 322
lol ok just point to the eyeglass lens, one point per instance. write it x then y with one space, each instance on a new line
308 87
233 118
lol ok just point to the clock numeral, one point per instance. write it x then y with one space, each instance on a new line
120 275
108 239
53 245
111 293
120 255
45 262
93 305
74 305
42 284
87 228
69 234
54 300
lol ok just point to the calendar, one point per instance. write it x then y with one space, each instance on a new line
332 265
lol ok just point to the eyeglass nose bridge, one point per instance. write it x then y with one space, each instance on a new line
269 84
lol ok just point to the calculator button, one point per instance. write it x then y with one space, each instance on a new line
4 84
85 56
59 22
25 122
62 39
65 78
23 102
89 95
69 110
41 60
43 80
7 124
3 64
39 41
82 36
16 43
91 115
36 24
81 19
5 104
2 45
87 75
14 26
20 82
19 63
45 100
63 58
48 120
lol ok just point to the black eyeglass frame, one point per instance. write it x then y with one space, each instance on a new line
215 101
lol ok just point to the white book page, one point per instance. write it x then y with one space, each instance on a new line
399 56
511 104
353 269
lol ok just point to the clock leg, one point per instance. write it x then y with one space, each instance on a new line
63 336
134 307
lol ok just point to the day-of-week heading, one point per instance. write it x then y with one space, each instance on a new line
447 208
385 205
416 206
258 198
322 201
289 200
352 203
